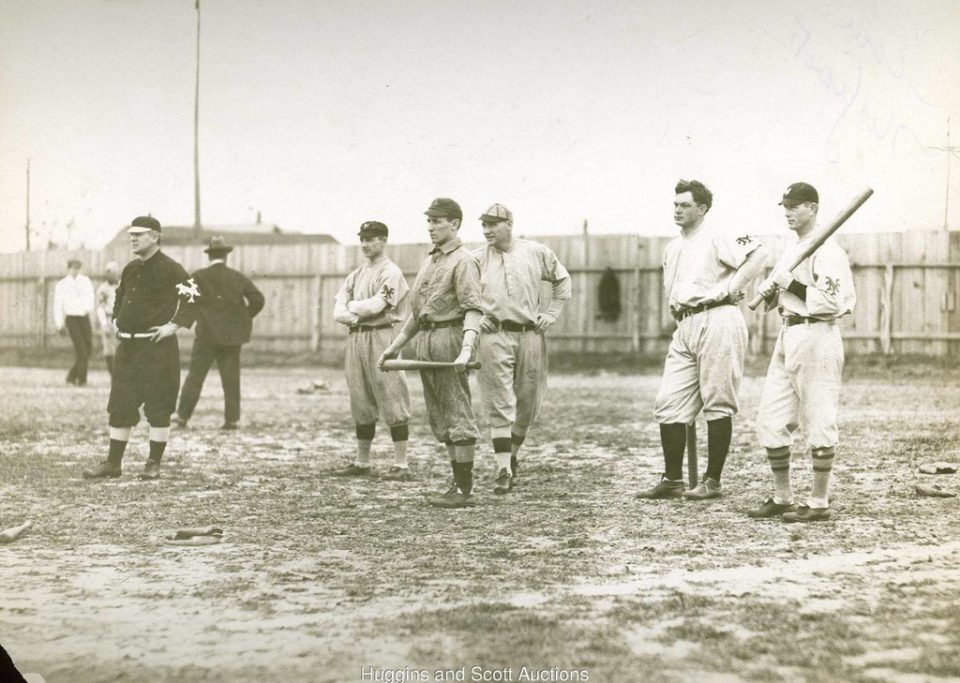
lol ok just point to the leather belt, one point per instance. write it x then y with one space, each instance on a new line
135 335
368 328
687 312
436 324
791 320
511 326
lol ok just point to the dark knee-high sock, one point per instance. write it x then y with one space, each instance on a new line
673 436
718 445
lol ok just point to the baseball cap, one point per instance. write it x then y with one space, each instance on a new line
496 213
798 193
373 229
444 207
144 224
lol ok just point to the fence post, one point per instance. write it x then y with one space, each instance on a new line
315 293
886 311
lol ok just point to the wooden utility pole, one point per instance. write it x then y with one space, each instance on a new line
196 136
27 226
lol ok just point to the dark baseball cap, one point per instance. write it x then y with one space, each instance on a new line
143 224
444 207
798 193
373 229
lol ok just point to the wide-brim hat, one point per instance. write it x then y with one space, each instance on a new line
218 245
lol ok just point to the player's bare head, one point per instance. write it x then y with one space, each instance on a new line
497 223
373 238
443 220
691 202
800 203
144 233
74 266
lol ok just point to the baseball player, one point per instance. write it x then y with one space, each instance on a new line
803 381
73 302
512 349
106 296
224 322
371 301
446 309
704 273
154 299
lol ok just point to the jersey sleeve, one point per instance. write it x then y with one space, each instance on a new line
832 293
732 250
392 287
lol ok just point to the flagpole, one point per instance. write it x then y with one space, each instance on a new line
196 135
27 226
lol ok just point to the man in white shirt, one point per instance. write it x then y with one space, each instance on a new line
73 303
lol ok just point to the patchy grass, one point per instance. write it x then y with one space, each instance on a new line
317 576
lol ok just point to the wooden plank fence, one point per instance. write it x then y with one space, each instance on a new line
907 291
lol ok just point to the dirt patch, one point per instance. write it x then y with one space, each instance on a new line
317 576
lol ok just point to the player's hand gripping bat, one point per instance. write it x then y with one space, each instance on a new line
822 235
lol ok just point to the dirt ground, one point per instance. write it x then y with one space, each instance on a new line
567 578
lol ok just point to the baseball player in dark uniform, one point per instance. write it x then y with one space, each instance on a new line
224 321
704 273
155 298
802 388
513 349
371 301
447 307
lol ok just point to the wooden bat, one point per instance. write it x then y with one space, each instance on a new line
423 365
817 241
693 473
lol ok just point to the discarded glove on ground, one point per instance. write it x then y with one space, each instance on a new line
14 532
935 491
938 468
205 535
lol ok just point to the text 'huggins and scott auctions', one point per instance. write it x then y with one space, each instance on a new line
473 674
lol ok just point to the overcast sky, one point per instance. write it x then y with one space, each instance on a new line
324 114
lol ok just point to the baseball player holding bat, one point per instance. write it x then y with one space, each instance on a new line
513 349
705 272
803 381
371 301
446 311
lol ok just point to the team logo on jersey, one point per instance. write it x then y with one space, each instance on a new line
832 286
744 241
188 290
388 292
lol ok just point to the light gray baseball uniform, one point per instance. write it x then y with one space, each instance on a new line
374 393
704 364
513 360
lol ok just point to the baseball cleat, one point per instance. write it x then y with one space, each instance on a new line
180 422
805 513
352 470
707 488
769 509
397 473
106 470
457 500
151 471
665 489
504 483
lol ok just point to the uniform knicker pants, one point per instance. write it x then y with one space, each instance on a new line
148 374
802 388
228 363
446 392
512 377
704 367
373 392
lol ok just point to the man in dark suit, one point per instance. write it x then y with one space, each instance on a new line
224 321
